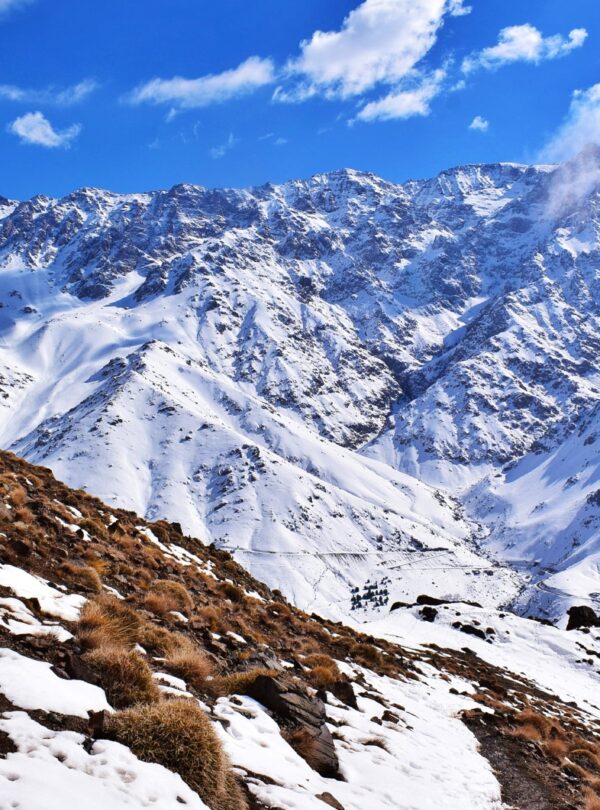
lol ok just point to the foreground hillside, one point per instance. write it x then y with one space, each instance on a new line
140 668
416 363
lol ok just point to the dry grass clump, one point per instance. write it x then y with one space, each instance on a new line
107 620
247 631
125 676
237 683
323 671
16 494
93 527
166 595
212 618
345 643
323 677
96 562
592 799
158 640
535 727
557 749
189 662
232 592
320 660
366 654
83 575
24 515
158 603
376 742
279 609
178 735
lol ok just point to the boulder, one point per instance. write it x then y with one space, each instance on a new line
423 599
289 701
428 613
582 616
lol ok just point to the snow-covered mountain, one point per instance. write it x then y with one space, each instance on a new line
355 384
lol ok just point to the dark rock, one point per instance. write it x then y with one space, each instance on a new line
97 723
582 616
77 669
330 800
423 599
344 692
398 605
288 700
19 547
472 631
428 613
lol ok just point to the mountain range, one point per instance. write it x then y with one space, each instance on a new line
363 390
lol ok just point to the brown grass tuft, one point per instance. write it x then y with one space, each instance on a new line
158 640
586 758
592 799
178 735
17 494
323 677
366 654
107 620
557 749
212 618
93 526
237 683
173 593
232 592
534 726
125 676
83 575
190 663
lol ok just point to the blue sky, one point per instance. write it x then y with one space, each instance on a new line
144 94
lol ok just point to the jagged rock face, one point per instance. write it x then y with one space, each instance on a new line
230 347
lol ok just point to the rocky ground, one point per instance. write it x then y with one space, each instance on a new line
101 610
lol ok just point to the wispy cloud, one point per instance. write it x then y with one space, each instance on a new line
580 128
206 90
10 5
404 103
379 42
60 97
273 138
220 151
34 128
524 43
479 124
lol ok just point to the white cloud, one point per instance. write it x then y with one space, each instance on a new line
9 5
524 43
381 41
404 103
580 128
456 8
480 124
220 151
275 140
211 89
49 95
34 128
